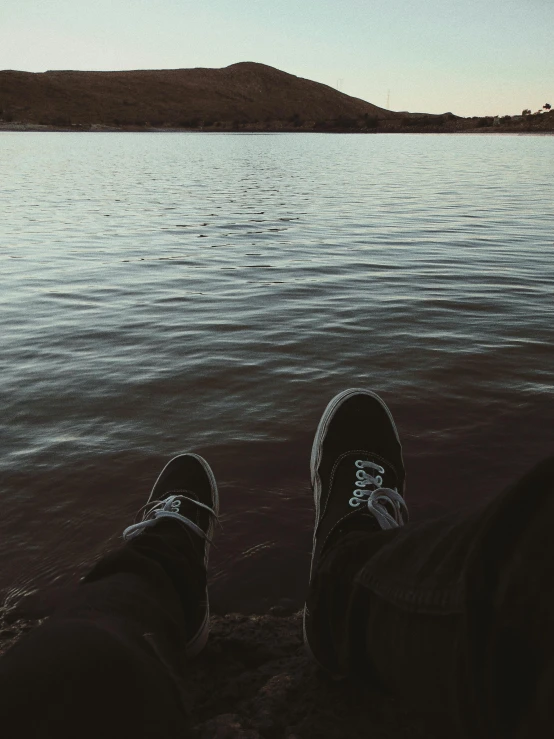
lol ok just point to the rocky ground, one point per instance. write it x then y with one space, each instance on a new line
254 681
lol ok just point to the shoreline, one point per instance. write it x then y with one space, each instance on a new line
100 128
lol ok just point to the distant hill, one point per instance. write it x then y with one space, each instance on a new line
241 94
242 97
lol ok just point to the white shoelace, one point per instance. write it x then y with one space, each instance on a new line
167 508
377 498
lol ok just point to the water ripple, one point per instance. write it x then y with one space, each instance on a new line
161 293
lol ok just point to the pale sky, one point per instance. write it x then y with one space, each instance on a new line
471 57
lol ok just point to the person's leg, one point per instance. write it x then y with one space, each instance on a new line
459 612
418 609
109 661
508 634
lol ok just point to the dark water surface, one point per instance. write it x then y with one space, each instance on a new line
163 293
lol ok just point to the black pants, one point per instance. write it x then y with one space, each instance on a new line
459 610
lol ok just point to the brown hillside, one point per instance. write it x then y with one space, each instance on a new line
244 93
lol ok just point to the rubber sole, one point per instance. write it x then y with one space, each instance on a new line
195 645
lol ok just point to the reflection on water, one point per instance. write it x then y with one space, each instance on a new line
163 293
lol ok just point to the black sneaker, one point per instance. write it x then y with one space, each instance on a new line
186 491
357 473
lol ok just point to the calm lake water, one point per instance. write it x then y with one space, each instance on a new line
171 292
